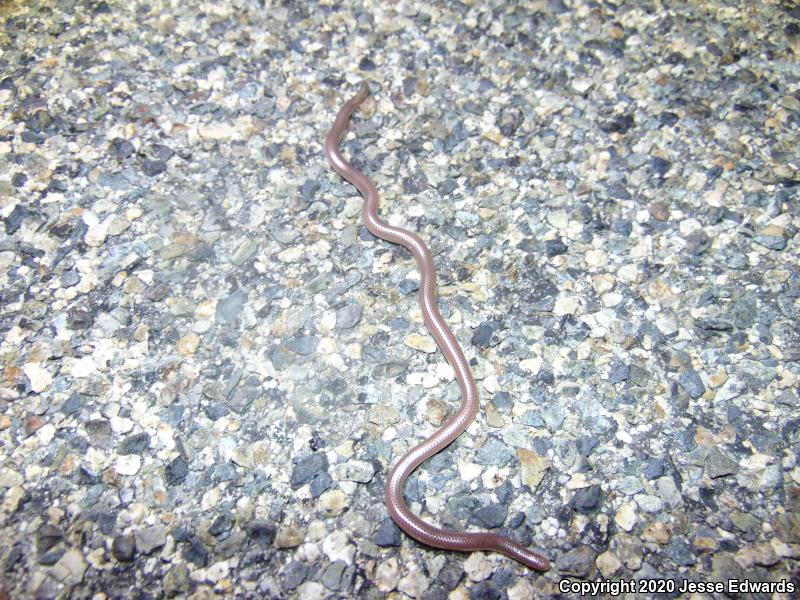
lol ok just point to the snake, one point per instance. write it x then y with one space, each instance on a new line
398 509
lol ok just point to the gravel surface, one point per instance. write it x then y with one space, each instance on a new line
209 365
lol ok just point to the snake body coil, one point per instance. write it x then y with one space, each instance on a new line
447 342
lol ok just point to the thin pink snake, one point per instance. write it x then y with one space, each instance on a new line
448 344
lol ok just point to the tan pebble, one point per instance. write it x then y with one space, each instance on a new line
383 414
437 411
288 537
477 567
333 503
421 342
656 532
659 211
773 231
188 344
626 517
534 467
608 564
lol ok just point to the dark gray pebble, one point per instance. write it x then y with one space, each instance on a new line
492 516
134 444
690 381
176 471
587 499
388 534
123 548
308 468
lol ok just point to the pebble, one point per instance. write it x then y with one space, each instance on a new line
129 464
690 381
718 464
288 537
424 343
388 534
578 562
123 548
533 466
355 470
39 377
337 546
626 516
150 538
387 574
477 567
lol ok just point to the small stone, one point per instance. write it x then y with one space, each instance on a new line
760 554
33 424
387 574
653 468
450 575
47 537
356 470
151 168
587 499
492 516
348 316
123 548
129 464
566 305
578 562
388 534
657 532
626 517
608 564
337 575
333 503
554 247
337 546
294 574
176 471
667 322
303 345
229 309
134 444
421 342
176 581
494 452
478 567
659 211
414 584
308 468
70 568
668 492
534 466
39 377
484 336
150 538
122 148
690 381
787 527
187 345
221 524
679 551
262 532
719 464
383 414
288 537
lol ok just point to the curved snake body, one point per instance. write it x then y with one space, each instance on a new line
448 344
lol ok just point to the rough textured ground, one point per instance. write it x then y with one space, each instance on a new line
209 365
